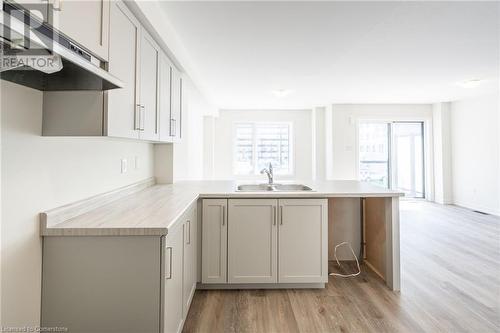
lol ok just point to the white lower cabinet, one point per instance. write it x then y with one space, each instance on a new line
180 271
265 241
214 241
303 241
252 241
190 262
173 292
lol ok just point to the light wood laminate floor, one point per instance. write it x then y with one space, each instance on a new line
450 260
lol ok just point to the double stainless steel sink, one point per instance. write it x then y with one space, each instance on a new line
273 188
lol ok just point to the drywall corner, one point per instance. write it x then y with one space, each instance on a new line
164 163
319 149
208 147
329 142
441 120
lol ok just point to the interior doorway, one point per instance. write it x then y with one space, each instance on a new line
391 155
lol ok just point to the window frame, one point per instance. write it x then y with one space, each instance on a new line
256 173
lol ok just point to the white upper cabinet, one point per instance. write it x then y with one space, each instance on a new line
84 21
123 109
176 105
252 241
165 91
171 101
38 8
303 242
149 84
148 107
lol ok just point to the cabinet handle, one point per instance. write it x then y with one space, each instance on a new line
141 118
274 215
173 127
188 223
281 215
223 215
137 117
170 262
180 111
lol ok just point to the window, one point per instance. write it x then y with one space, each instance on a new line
374 163
258 144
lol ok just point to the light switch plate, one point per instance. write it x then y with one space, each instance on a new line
124 165
136 162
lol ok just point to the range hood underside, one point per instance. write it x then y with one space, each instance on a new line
71 77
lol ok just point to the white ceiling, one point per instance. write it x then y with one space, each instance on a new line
337 52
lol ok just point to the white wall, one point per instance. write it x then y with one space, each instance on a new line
223 140
345 119
208 147
441 122
40 173
475 153
318 129
188 153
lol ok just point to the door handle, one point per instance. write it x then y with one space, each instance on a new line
170 262
188 223
281 215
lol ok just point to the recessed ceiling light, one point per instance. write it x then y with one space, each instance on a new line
280 93
469 83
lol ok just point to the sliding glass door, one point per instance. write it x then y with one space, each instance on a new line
391 154
408 158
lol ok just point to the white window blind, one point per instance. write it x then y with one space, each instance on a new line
258 144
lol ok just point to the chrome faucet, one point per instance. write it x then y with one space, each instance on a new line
269 173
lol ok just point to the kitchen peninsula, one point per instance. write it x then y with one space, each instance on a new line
161 242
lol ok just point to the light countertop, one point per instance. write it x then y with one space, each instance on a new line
151 211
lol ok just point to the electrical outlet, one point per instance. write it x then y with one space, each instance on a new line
124 165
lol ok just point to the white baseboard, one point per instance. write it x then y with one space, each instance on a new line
262 286
486 210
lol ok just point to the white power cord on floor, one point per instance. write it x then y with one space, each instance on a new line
338 263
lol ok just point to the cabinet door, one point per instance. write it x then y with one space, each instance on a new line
176 108
149 74
190 262
173 274
38 9
165 91
252 241
122 106
302 239
86 22
214 241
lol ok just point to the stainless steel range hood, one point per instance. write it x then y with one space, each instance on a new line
36 55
